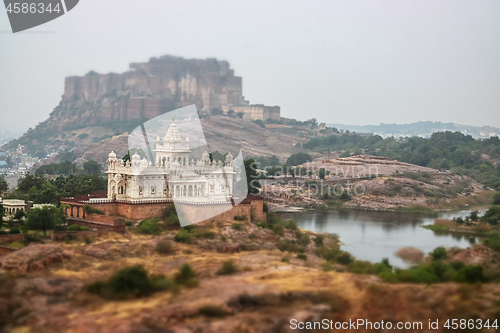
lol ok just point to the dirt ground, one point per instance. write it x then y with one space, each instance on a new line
264 296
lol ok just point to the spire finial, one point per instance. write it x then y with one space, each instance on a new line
173 117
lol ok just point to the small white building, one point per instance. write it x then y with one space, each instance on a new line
12 205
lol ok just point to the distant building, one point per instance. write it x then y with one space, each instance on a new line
275 126
11 206
255 111
322 126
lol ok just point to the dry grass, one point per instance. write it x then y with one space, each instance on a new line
410 255
446 222
479 199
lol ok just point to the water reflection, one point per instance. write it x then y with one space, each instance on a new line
374 235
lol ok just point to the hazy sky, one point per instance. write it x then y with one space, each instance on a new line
352 62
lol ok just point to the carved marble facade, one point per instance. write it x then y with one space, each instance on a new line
172 176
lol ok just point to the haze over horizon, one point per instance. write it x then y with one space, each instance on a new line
356 63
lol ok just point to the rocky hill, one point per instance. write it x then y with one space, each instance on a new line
222 134
97 111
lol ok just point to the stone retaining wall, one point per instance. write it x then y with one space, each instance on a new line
11 238
61 235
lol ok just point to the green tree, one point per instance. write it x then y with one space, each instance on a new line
66 168
322 173
252 177
240 115
3 186
216 156
298 158
496 198
66 155
230 112
126 157
92 167
216 111
2 212
29 181
299 171
492 216
48 194
19 214
45 218
259 122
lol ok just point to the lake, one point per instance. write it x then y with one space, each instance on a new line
371 235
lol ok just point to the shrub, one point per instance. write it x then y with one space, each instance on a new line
345 258
417 274
262 225
172 221
389 277
361 267
147 227
285 259
439 253
205 233
493 242
302 238
223 238
437 227
212 311
329 254
186 276
237 226
292 225
16 245
287 245
128 223
164 246
319 240
302 256
32 238
84 228
492 215
456 265
14 230
386 263
228 268
185 236
240 218
73 227
129 281
496 198
471 274
91 210
327 266
278 230
161 283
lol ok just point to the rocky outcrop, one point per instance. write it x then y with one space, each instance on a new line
33 258
146 91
